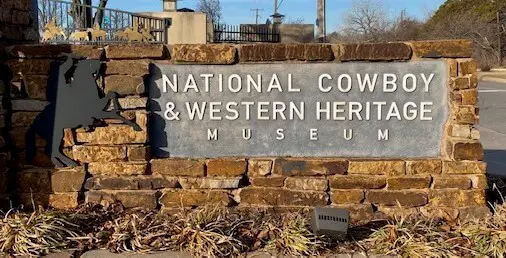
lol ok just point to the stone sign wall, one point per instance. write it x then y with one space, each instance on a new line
117 161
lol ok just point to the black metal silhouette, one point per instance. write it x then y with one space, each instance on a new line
75 101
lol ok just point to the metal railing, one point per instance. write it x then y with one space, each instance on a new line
66 22
245 33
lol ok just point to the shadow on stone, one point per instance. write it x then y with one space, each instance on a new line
8 176
496 175
72 104
157 133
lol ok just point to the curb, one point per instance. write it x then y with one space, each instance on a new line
258 254
486 78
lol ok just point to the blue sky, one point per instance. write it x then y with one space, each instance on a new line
238 11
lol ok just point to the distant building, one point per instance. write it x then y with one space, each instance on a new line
188 26
288 33
277 18
186 10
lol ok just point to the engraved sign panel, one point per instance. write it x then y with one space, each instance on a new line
369 110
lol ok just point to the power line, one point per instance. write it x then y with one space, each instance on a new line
257 13
280 3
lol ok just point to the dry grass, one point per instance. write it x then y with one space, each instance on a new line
489 235
486 241
209 232
35 234
422 237
140 232
218 232
414 238
292 236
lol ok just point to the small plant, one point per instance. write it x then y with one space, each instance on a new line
489 235
487 241
208 232
292 236
413 238
485 67
141 232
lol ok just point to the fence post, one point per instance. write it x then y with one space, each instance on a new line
35 17
167 22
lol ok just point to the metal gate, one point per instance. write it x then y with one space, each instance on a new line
67 22
246 33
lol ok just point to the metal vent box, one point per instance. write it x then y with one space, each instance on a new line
331 222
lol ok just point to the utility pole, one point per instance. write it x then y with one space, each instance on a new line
499 37
403 15
321 21
277 18
257 15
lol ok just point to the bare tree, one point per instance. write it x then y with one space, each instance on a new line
367 21
47 12
212 8
99 14
469 26
82 13
298 20
405 28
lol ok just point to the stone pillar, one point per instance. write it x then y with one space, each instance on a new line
18 24
5 180
37 182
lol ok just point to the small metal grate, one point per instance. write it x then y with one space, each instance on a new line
330 222
332 218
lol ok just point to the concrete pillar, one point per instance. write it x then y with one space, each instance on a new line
169 5
277 18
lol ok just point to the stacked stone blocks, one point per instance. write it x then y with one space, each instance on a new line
17 24
118 166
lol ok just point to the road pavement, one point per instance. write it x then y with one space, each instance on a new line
493 125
